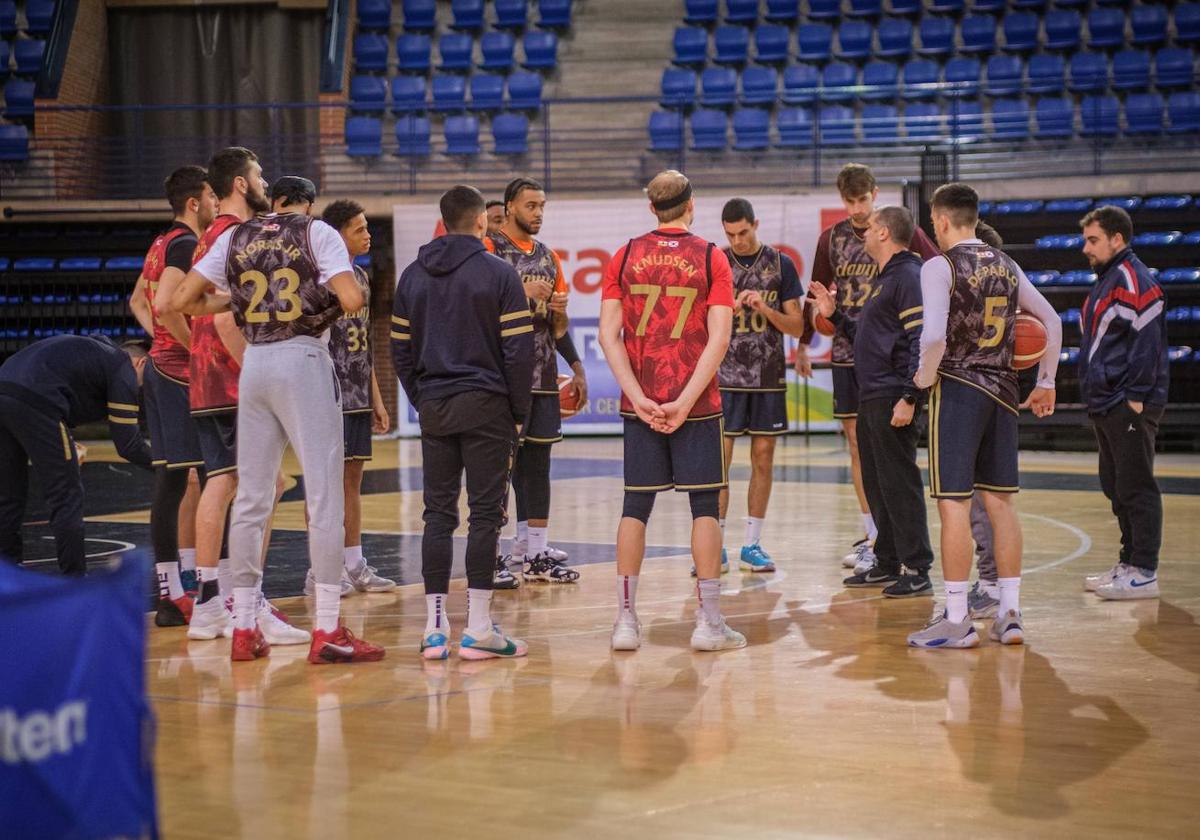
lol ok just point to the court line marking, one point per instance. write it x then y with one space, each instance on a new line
122 547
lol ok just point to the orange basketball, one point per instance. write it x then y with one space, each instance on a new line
568 400
823 325
1029 341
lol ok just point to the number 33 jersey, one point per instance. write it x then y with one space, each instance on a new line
351 353
666 281
755 360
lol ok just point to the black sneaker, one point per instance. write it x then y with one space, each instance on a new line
544 567
908 584
502 578
873 576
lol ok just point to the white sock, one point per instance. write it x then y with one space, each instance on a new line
479 612
435 615
1010 594
329 605
354 558
245 607
709 591
522 531
169 585
956 600
990 587
627 595
224 577
187 559
538 537
753 530
868 522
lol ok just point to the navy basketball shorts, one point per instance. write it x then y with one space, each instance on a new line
356 433
174 443
218 441
544 423
691 458
972 442
754 412
845 392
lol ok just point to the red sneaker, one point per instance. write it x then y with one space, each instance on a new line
341 646
248 645
174 613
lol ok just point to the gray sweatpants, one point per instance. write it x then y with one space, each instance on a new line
288 392
981 532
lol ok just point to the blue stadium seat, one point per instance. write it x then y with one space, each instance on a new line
4 54
731 45
1054 117
364 137
412 52
771 43
1178 203
700 12
455 49
800 83
497 51
408 94
18 98
837 79
936 35
487 92
510 133
1128 203
758 86
991 7
511 14
462 135
1100 116
1021 32
836 124
963 73
1187 23
917 73
79 264
1068 205
374 14
449 93
946 7
14 143
965 120
1035 5
1182 108
1046 73
124 264
678 88
1173 68
751 129
1131 70
1088 73
865 8
718 87
1192 238
895 38
904 8
34 264
28 53
741 11
1048 277
1158 239
709 128
1149 24
824 9
854 39
468 15
370 51
666 131
782 11
419 15
923 121
1106 28
1059 242
1062 29
1004 75
795 126
1144 113
541 51
368 93
880 124
1180 275
39 16
881 78
814 41
691 46
1010 119
524 91
8 18
978 34
554 14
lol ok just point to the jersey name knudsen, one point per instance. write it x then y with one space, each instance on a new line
851 269
257 246
999 270
39 735
670 260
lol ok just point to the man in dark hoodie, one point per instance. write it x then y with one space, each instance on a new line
886 352
462 345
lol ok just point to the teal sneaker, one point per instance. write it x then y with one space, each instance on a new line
724 564
495 645
435 645
754 559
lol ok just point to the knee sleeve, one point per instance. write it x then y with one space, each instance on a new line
704 503
638 506
533 480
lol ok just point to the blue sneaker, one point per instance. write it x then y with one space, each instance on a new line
191 584
435 645
754 559
724 564
495 645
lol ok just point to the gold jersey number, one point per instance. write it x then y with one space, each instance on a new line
993 319
652 293
286 294
356 339
747 322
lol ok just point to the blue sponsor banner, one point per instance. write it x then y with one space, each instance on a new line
76 733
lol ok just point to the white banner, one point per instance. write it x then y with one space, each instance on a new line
586 233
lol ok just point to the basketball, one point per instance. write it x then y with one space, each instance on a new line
1029 341
568 400
823 325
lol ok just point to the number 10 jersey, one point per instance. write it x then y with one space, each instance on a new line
755 360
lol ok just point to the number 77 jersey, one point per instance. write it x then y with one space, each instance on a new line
666 280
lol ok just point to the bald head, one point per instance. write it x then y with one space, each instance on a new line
670 197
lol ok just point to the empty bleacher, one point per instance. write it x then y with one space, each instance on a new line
23 31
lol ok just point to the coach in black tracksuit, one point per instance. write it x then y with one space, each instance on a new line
46 389
886 352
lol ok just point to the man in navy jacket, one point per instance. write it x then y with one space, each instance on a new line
1123 378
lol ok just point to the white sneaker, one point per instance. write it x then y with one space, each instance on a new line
716 637
310 584
627 633
1101 578
853 558
557 554
1130 584
210 620
866 560
275 630
365 580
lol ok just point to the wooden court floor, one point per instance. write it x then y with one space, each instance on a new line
826 725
